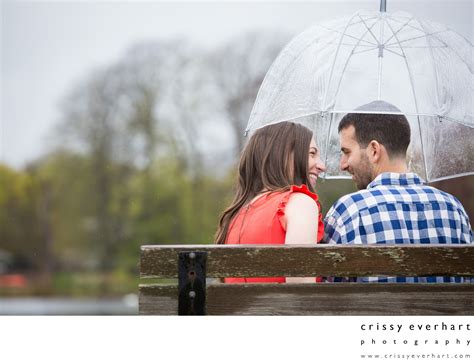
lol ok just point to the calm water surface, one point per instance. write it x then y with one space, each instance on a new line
126 305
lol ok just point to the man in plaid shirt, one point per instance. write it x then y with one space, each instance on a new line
392 206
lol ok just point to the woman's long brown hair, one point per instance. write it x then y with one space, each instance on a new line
275 158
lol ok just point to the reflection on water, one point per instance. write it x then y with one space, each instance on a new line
127 305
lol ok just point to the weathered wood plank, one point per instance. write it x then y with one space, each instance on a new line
319 299
309 260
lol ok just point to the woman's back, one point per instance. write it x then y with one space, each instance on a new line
263 221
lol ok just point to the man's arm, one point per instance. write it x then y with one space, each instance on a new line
333 231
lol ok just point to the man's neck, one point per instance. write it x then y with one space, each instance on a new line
393 166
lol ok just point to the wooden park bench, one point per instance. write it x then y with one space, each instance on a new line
196 269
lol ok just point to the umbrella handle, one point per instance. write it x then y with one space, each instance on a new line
383 6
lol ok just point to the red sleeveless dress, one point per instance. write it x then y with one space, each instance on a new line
261 222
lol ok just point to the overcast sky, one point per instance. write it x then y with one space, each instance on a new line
49 47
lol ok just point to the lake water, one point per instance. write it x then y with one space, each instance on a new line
126 305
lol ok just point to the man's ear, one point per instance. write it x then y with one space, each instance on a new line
374 151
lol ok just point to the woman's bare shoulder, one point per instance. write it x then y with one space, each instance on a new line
301 200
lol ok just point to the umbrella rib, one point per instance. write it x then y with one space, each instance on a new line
465 174
355 23
433 35
370 30
408 25
462 122
368 18
348 35
398 31
398 54
419 47
350 44
372 46
427 35
328 137
255 105
414 98
339 84
451 48
434 69
347 62
380 57
330 79
364 50
335 57
420 36
249 125
398 15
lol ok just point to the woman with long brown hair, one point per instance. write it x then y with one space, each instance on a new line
275 202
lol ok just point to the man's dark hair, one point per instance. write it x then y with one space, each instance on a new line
390 130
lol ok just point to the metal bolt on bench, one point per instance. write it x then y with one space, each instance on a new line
192 283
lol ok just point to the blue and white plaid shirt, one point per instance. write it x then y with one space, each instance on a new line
398 209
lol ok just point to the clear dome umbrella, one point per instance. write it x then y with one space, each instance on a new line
422 67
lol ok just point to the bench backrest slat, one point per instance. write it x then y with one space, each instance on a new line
161 261
319 299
